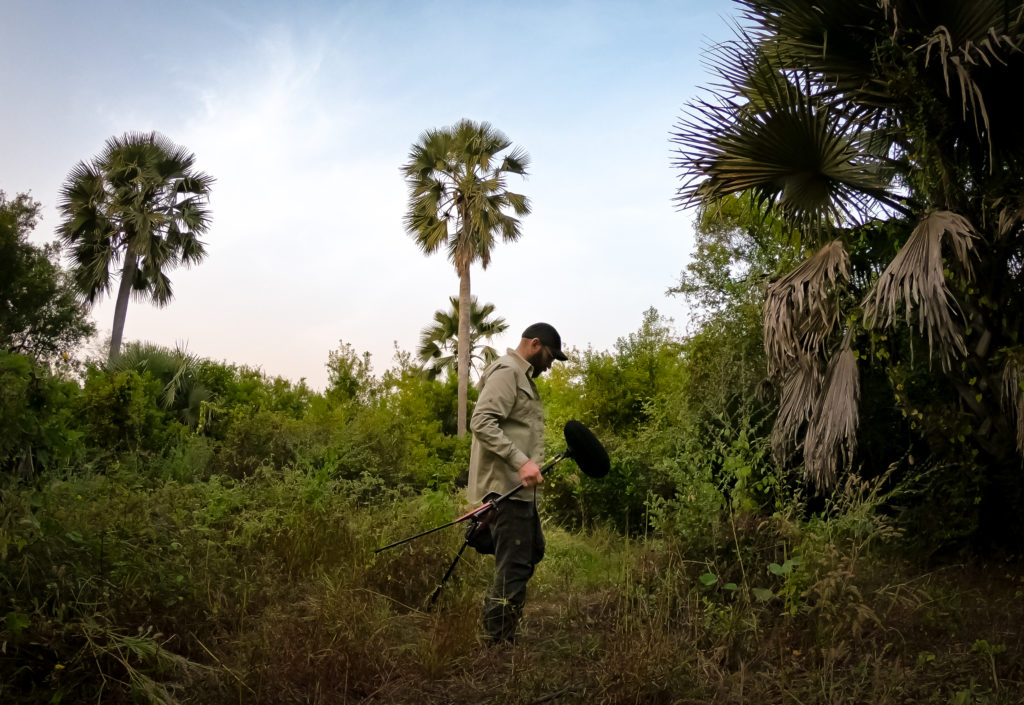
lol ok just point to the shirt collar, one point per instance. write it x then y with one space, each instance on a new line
524 366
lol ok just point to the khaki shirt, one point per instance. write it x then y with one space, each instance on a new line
508 428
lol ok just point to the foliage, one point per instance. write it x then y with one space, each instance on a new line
614 395
182 393
123 589
121 413
880 134
739 248
39 312
139 205
37 418
349 375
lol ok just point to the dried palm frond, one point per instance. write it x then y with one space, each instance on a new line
968 38
800 389
1013 396
1011 213
801 309
960 58
916 277
832 433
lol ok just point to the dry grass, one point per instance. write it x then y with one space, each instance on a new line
609 619
862 631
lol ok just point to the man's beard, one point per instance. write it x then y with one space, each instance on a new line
536 360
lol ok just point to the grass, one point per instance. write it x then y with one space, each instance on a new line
268 591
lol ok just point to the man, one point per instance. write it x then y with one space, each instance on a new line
508 444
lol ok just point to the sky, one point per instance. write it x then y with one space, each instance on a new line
304 112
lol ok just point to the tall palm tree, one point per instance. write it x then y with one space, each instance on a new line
138 207
459 201
438 340
882 132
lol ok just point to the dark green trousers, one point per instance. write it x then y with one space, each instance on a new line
518 547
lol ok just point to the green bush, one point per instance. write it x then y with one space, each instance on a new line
38 427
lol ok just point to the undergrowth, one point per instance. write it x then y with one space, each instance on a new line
268 590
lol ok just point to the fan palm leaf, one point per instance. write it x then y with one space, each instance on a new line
1012 393
176 370
916 278
765 130
831 438
802 308
439 340
801 387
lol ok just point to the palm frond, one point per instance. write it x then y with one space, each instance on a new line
916 278
1013 395
1011 214
175 369
768 129
802 308
832 432
800 388
439 341
967 38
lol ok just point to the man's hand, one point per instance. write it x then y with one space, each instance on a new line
529 474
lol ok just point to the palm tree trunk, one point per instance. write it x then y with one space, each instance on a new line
463 366
124 291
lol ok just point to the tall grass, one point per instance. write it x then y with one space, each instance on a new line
267 590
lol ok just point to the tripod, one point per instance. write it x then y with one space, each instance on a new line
479 519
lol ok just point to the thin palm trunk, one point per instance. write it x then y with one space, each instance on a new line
463 367
124 291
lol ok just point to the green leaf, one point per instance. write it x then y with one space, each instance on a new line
763 594
17 622
786 568
731 586
708 579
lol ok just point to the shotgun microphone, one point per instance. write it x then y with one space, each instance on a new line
586 450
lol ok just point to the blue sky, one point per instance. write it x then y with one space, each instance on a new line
304 114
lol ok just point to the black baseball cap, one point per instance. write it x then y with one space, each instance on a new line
547 334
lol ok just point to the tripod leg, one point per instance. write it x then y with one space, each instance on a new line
437 591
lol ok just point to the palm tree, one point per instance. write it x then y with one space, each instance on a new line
882 132
459 201
439 341
182 391
140 207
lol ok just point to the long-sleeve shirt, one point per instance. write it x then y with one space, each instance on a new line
508 428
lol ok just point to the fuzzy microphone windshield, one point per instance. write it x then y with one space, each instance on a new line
586 450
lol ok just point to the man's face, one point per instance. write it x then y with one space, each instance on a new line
541 358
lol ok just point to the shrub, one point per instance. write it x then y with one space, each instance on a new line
38 428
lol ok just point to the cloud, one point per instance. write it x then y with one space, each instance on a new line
304 115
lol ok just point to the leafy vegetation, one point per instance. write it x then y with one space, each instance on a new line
40 315
151 558
799 509
878 136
